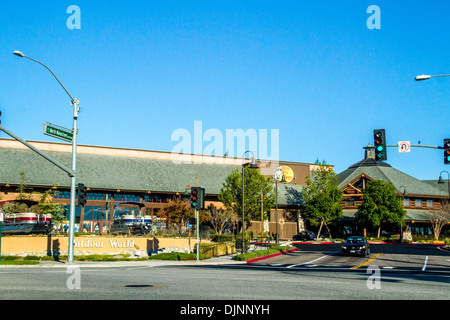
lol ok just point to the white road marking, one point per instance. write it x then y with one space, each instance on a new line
294 265
425 263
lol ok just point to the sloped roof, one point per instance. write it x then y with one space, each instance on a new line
111 172
380 170
99 171
399 180
411 214
441 186
290 194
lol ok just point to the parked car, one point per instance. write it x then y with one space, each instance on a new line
357 245
305 235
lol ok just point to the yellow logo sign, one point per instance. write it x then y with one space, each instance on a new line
287 172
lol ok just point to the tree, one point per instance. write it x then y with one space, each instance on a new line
218 217
254 184
380 205
46 206
23 188
25 193
322 197
439 218
177 211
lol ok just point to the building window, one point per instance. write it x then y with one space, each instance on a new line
96 196
126 197
62 195
95 213
155 198
406 202
350 202
429 203
418 202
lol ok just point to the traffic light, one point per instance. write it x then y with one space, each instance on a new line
81 194
379 138
195 197
202 198
446 151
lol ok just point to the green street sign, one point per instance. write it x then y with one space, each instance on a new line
59 133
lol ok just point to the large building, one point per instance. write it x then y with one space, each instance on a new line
419 197
114 175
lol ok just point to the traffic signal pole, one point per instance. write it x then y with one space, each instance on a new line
39 152
416 145
198 234
197 222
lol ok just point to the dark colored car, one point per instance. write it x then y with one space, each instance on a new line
305 235
357 245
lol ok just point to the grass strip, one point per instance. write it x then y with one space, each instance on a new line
261 253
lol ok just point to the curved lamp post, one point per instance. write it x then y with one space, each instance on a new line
278 175
254 165
426 76
442 181
74 102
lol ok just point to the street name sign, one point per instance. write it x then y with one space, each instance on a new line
54 131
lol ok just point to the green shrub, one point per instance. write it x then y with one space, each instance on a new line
221 238
176 256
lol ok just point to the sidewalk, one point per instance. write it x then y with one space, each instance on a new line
129 264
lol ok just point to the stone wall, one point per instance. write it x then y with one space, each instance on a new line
51 245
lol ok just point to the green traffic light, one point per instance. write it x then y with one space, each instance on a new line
380 148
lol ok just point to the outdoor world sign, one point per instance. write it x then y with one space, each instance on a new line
104 244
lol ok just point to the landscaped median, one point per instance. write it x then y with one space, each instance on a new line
257 255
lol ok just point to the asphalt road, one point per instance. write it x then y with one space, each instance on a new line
397 257
313 272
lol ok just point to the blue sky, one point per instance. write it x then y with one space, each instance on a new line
311 69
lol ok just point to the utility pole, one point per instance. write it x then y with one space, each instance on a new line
73 173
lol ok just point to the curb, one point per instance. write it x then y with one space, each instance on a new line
372 242
303 242
271 256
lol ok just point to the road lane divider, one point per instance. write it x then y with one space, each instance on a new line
301 264
367 261
425 263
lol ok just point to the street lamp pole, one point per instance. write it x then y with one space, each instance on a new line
252 164
278 175
442 181
74 102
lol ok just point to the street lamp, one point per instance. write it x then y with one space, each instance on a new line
278 175
426 76
74 102
254 165
442 181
